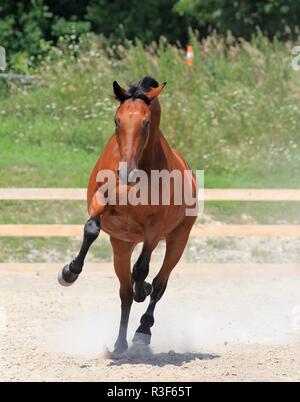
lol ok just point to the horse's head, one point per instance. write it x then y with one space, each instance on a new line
133 122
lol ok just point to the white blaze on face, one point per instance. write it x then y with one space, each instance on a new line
3 320
133 113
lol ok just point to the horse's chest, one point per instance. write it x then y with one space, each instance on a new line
123 224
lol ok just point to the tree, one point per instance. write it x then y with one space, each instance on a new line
27 24
68 17
22 25
146 20
243 17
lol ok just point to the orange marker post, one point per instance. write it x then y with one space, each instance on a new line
189 55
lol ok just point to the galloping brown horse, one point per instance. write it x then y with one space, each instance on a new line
139 142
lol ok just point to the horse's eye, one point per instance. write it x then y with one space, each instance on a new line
146 126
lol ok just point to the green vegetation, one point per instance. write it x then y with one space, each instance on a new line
235 113
254 212
30 27
56 250
275 18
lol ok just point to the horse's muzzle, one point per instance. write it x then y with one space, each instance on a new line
127 176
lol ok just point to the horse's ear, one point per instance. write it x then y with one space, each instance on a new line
120 93
155 91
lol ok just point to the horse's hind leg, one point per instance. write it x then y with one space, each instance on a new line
69 274
175 245
122 254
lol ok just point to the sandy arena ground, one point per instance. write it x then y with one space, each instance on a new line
216 322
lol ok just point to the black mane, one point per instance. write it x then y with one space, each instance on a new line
139 90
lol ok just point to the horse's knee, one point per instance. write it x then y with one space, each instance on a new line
92 229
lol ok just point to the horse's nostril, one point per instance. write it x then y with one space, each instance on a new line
132 176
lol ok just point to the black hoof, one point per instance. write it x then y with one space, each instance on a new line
120 347
66 277
141 339
142 292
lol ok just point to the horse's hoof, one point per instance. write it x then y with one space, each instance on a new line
66 277
120 348
141 339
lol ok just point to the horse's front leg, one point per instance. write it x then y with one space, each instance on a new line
122 253
70 273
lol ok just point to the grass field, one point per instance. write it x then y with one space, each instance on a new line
235 113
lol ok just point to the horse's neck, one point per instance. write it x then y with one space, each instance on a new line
151 150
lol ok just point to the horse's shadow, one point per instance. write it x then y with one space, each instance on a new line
144 355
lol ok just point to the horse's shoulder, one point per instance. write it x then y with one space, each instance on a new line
110 155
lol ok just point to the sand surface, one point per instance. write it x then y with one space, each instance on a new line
215 322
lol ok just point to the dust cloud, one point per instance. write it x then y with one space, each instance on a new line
198 312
